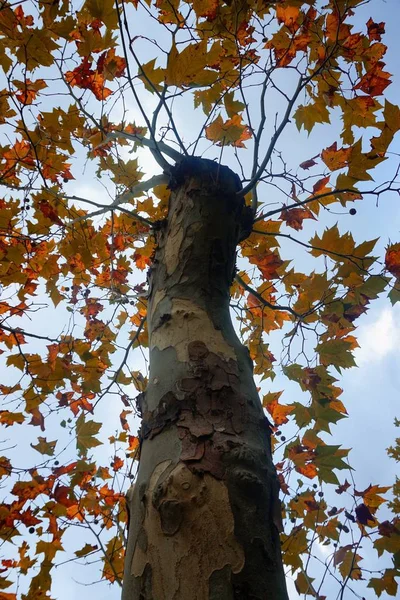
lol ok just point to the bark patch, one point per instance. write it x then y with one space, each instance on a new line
191 514
189 322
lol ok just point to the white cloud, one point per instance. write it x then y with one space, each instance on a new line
379 338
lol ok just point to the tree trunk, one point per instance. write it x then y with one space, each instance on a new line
204 512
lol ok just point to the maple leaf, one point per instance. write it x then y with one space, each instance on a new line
392 259
45 447
206 8
28 90
87 549
375 81
337 352
110 65
85 77
117 463
307 164
85 432
277 411
188 68
8 418
334 158
375 30
294 216
228 133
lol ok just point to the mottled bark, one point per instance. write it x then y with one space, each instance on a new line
204 512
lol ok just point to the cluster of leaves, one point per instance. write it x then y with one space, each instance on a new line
75 81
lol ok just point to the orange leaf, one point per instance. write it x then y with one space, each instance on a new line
294 217
289 16
319 186
375 81
117 463
277 411
392 259
228 133
309 470
28 90
334 158
268 263
133 442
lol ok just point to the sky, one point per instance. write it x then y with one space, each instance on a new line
370 390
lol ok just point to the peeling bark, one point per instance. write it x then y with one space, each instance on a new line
204 513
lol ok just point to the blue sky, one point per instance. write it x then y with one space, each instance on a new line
371 390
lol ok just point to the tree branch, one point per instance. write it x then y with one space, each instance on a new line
137 189
265 302
141 139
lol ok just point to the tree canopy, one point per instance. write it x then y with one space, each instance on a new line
99 99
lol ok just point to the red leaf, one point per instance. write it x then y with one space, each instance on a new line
294 217
375 30
307 164
375 81
319 186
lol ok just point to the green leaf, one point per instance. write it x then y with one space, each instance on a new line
85 432
337 353
394 294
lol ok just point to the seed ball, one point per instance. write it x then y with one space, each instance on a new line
353 211
65 180
31 530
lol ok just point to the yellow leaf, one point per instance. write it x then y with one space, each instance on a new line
188 68
104 10
228 133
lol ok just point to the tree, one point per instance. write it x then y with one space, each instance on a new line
87 85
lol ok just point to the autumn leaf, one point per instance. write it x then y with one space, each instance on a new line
8 418
307 164
28 90
45 447
294 217
392 259
232 107
387 583
334 158
375 81
277 411
117 463
87 549
228 133
85 432
375 30
188 68
337 353
307 116
103 10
